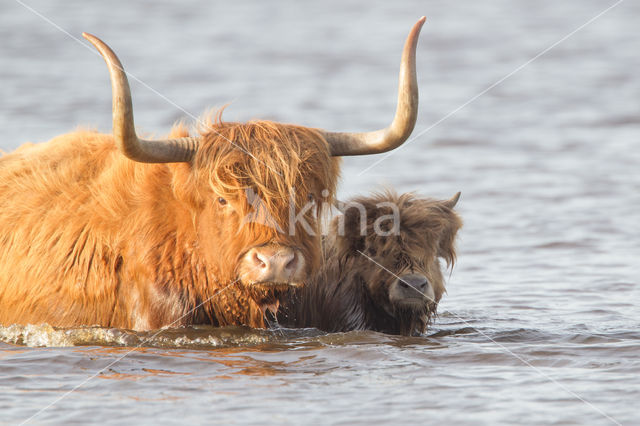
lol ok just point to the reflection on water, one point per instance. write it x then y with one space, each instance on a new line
540 323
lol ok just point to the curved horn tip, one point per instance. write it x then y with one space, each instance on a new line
100 45
418 25
92 39
391 137
451 203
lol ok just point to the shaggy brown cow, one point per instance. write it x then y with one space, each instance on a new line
119 231
379 277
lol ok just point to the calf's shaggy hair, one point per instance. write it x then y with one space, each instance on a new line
360 286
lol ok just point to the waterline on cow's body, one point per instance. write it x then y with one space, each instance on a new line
196 337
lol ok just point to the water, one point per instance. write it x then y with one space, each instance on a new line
541 321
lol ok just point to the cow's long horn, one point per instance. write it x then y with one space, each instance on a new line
406 111
141 150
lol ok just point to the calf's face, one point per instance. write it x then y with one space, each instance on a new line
396 251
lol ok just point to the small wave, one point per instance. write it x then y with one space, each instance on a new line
453 332
197 337
561 245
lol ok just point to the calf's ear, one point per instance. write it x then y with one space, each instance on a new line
447 243
452 224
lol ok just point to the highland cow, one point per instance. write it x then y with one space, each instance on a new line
379 274
118 231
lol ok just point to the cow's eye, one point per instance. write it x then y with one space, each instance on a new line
311 198
222 201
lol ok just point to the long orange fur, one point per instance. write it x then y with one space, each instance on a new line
90 237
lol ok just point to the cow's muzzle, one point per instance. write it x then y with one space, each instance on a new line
273 265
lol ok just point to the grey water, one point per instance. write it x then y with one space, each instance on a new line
531 109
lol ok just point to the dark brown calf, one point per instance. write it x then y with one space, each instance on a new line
375 276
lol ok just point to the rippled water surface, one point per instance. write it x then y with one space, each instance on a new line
541 322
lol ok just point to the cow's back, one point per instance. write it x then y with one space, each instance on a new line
58 208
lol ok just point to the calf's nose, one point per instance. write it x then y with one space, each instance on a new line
419 282
415 285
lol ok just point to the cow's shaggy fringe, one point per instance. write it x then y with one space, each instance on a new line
91 237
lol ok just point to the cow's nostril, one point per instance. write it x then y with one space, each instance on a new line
293 263
403 284
259 261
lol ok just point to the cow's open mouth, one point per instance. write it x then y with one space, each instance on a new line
270 285
269 295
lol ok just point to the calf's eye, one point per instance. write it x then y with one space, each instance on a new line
222 201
